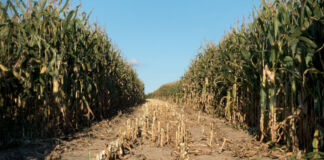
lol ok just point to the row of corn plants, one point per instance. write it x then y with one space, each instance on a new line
266 74
57 71
170 92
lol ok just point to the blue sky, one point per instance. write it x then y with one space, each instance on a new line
162 36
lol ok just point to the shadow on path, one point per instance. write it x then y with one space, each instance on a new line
38 149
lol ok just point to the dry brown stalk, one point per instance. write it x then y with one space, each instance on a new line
203 130
199 116
159 126
136 129
223 145
128 128
177 139
147 124
179 135
167 133
183 151
153 130
211 134
162 137
144 130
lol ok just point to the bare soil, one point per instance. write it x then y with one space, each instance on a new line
226 142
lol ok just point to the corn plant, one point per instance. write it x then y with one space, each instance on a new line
267 74
57 71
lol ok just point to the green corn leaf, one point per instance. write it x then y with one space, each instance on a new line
293 44
43 3
246 54
309 58
23 3
13 8
308 41
270 38
67 20
317 12
264 4
273 56
65 6
88 16
288 61
276 26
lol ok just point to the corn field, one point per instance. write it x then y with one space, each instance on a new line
57 71
266 74
170 92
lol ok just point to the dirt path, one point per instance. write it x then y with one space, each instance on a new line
160 130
